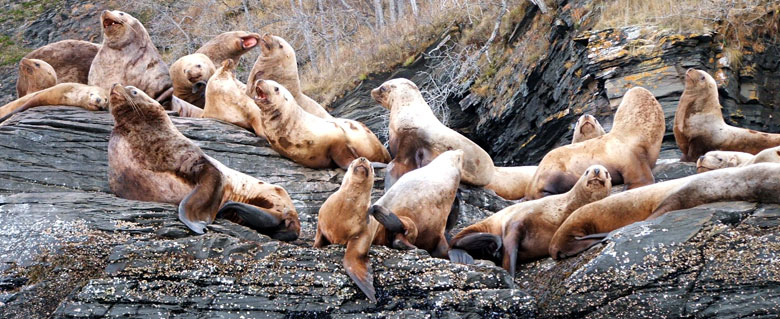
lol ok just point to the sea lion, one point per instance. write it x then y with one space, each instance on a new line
185 109
417 136
277 62
588 127
699 126
128 56
304 138
34 75
190 74
71 59
229 45
345 219
511 182
88 97
721 159
226 102
422 200
769 155
522 232
150 160
628 151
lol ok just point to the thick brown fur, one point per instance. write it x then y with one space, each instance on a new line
229 45
526 228
699 126
71 59
34 75
128 56
343 219
588 127
150 160
629 151
73 94
190 74
422 199
511 182
225 101
417 136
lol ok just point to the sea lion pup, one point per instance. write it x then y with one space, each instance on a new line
344 219
226 102
85 96
422 200
522 232
34 75
628 151
277 62
721 159
229 45
699 126
128 56
417 136
71 59
511 182
587 128
150 160
190 74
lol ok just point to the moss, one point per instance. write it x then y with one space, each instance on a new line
409 60
10 52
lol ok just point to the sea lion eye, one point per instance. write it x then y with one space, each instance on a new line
587 172
702 78
382 88
37 64
276 89
198 65
135 92
121 14
280 46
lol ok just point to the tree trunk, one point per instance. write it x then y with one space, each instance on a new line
413 4
391 9
400 8
380 19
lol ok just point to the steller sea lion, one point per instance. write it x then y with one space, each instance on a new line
522 232
225 101
34 75
345 219
150 160
511 182
587 128
88 97
628 151
699 126
71 59
417 136
128 56
229 45
190 74
185 109
722 159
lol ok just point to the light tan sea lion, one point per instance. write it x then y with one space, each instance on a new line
71 59
511 182
628 151
229 45
72 94
587 128
769 155
699 126
721 159
150 160
225 101
190 74
128 56
34 75
417 136
522 232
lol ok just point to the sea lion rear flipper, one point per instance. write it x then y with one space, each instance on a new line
511 241
460 256
357 265
483 244
248 215
385 217
199 207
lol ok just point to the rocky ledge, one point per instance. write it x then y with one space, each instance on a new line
71 249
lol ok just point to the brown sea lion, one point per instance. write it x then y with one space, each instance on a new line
71 59
128 56
229 45
277 62
628 151
511 182
422 200
225 101
184 108
34 75
345 219
587 128
699 126
713 160
417 136
522 232
88 97
150 160
190 74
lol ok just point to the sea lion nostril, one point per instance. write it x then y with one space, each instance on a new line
596 171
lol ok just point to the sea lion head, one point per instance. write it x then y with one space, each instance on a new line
269 94
245 41
120 28
197 68
588 127
713 160
225 71
454 157
698 81
98 99
42 74
126 100
358 173
395 90
596 182
275 47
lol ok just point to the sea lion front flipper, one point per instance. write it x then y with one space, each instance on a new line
460 256
199 207
484 244
357 265
511 240
248 215
599 236
385 217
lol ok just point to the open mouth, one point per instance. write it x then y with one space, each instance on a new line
248 42
107 22
261 96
